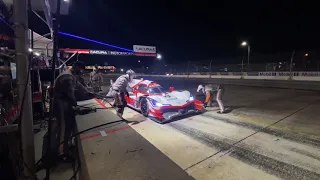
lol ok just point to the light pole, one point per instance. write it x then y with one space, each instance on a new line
244 43
291 63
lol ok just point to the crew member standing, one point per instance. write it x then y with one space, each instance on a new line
119 89
220 92
96 79
64 101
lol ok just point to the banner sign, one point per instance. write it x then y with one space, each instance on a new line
113 53
313 74
104 52
224 73
236 73
267 73
144 49
309 74
99 67
252 73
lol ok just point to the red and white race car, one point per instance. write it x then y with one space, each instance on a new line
153 101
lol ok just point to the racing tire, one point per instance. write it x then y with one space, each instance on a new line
144 107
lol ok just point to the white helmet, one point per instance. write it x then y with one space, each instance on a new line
131 74
200 88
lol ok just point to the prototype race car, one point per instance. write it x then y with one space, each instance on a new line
153 101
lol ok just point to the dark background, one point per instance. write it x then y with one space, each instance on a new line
190 30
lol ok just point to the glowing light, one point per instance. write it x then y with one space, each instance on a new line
98 42
158 104
138 61
30 50
37 54
306 54
159 56
121 70
244 43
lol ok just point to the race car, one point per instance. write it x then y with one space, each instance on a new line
153 101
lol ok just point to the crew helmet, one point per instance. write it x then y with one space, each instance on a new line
131 74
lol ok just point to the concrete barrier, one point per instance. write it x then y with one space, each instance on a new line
289 82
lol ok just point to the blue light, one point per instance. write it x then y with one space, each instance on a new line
154 103
5 22
98 42
191 98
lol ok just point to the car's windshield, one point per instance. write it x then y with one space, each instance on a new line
155 90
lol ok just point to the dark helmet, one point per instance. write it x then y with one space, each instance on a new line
77 67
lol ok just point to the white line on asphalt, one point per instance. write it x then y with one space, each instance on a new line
103 133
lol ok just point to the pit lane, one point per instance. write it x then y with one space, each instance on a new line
240 144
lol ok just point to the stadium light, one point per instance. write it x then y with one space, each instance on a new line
91 40
244 43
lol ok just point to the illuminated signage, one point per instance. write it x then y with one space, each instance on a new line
113 53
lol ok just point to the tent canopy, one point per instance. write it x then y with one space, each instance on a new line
41 44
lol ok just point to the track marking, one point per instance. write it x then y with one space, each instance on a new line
103 133
101 104
266 127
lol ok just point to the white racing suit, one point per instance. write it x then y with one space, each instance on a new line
220 92
117 91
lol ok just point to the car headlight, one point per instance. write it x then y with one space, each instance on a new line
159 104
154 103
191 98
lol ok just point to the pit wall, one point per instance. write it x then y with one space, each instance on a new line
300 76
293 80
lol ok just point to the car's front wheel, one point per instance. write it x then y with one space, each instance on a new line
144 107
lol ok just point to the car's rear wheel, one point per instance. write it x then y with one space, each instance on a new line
144 107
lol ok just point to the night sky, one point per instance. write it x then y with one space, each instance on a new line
190 30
